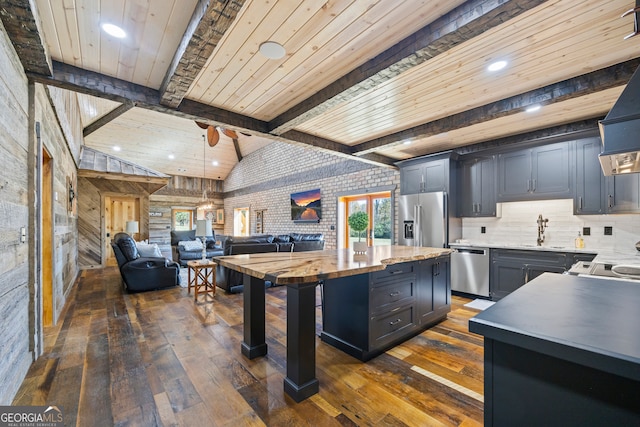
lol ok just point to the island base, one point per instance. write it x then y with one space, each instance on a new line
301 392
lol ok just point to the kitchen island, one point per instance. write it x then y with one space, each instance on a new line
563 350
301 272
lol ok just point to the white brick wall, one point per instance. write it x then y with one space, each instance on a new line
280 169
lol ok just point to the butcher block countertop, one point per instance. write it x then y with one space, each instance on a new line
287 268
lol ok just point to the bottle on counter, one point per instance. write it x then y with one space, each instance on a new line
579 241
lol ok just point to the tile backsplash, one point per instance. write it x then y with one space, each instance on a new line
517 225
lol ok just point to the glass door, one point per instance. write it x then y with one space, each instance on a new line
353 206
378 209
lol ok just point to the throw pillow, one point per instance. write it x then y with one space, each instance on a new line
128 247
147 250
191 245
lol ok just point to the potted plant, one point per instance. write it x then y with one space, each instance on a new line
359 221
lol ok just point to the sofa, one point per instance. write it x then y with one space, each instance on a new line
186 247
142 273
231 280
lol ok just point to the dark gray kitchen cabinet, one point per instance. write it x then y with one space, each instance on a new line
366 314
411 179
599 194
590 181
434 294
427 174
535 174
477 187
510 269
623 193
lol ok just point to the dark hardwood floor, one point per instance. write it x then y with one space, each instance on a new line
159 358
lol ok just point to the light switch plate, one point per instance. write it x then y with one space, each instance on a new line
608 231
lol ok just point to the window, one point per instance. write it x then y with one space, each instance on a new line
379 209
241 222
182 219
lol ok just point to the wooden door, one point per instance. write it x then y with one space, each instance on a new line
118 210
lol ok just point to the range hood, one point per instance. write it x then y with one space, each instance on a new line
620 132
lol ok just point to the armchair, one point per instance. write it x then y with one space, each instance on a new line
143 273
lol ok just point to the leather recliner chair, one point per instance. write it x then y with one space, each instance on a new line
143 273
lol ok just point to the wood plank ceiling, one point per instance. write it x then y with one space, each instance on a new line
368 79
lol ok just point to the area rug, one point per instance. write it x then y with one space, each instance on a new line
479 304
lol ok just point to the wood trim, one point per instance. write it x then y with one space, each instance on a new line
458 26
209 22
85 173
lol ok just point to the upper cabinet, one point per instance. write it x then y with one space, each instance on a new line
477 187
427 174
623 193
534 174
597 194
590 183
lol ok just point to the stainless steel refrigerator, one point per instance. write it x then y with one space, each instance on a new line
425 220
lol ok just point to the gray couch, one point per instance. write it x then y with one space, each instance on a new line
181 255
231 280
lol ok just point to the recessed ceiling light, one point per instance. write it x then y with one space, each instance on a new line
532 109
214 163
171 156
116 148
114 30
272 50
408 142
496 66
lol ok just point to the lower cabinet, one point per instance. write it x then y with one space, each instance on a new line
511 268
367 314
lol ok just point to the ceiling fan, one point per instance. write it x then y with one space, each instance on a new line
213 136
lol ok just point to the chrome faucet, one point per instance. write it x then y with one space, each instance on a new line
542 225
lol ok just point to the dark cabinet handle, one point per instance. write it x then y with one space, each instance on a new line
395 322
395 272
394 294
580 203
610 201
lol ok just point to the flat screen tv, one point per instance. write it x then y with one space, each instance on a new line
306 206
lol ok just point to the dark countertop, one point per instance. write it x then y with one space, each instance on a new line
590 321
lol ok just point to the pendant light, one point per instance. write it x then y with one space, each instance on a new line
204 203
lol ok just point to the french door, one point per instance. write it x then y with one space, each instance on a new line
378 208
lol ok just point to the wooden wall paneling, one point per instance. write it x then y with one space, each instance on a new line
90 254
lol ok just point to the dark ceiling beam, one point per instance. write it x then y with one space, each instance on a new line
102 86
236 146
458 26
22 23
210 20
565 132
606 78
110 116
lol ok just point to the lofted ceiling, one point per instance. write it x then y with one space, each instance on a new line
374 80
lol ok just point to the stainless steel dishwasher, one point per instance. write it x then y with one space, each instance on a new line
470 270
